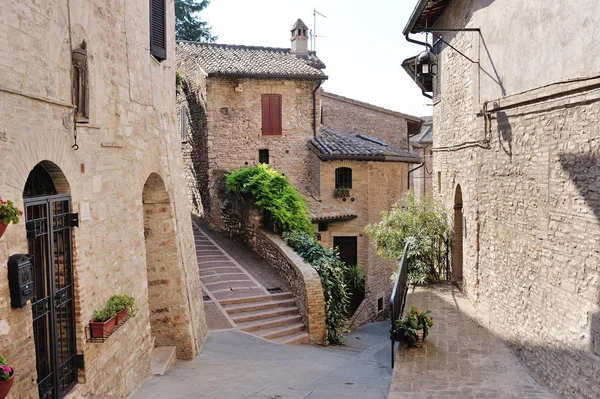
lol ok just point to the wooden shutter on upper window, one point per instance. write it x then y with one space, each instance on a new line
266 125
271 114
158 21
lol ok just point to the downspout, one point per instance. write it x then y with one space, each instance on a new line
412 170
314 94
430 47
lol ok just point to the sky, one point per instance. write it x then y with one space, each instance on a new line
363 46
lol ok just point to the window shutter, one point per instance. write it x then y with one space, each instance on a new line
266 115
184 125
158 21
276 114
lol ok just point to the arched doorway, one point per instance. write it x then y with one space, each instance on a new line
457 246
48 221
167 302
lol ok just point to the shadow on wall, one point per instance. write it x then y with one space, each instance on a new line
504 133
480 4
584 171
198 142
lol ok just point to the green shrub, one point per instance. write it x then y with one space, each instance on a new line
274 195
407 328
424 225
331 270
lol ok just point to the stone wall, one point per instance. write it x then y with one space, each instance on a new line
376 186
357 117
131 136
529 187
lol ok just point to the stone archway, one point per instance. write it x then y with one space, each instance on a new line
167 303
457 242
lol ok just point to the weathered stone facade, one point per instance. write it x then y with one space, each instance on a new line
357 117
515 153
137 238
376 186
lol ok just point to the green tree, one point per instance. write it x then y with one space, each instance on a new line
188 26
421 223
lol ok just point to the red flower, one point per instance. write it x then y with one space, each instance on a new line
20 213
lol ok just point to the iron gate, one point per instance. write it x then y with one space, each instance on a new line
48 222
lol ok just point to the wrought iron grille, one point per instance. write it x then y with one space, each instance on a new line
398 298
343 178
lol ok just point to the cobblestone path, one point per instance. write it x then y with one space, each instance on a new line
461 358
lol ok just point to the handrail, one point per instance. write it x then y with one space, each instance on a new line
398 298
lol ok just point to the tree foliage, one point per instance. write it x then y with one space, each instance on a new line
188 26
421 223
332 272
273 194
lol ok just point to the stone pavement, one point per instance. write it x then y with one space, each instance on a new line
460 359
236 365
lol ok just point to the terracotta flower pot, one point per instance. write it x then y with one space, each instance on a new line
2 228
122 315
102 329
6 385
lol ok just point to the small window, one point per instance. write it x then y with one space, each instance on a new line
158 22
323 226
380 304
271 114
81 95
343 178
263 156
439 182
184 124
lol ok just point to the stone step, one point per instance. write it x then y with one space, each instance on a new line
298 338
162 358
282 295
263 314
278 332
269 323
229 284
262 305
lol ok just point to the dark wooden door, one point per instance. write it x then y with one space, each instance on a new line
348 249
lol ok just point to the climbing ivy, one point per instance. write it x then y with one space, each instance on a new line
331 270
274 195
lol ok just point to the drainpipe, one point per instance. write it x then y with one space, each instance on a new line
412 170
314 93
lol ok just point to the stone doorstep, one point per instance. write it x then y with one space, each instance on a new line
262 305
162 358
284 331
264 314
269 323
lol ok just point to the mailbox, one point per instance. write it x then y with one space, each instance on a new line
20 279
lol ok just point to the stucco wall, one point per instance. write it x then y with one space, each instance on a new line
530 185
131 134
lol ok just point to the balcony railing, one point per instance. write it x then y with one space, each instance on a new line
398 298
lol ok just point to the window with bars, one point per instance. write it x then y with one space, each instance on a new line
343 178
271 114
184 124
158 22
263 156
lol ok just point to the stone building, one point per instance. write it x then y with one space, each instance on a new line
421 176
353 179
242 105
90 148
516 146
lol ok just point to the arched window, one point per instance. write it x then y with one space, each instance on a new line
343 178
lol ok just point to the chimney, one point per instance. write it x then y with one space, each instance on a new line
300 39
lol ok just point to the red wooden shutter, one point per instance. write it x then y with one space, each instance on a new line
158 21
276 114
266 115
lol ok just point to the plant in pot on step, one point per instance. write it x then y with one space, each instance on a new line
413 328
103 321
7 377
9 213
123 306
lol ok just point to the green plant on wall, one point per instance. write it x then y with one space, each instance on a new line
341 192
273 194
421 223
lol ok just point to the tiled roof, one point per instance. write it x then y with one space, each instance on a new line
426 134
425 14
325 211
335 144
299 25
370 106
234 60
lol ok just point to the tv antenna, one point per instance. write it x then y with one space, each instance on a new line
313 33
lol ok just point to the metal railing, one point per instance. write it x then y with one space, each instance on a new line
398 298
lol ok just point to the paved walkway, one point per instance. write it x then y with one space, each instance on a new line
460 359
236 365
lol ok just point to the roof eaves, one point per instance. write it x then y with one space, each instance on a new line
193 59
267 76
339 218
415 16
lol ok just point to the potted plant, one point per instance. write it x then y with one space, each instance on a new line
122 305
7 377
8 214
413 328
341 192
103 321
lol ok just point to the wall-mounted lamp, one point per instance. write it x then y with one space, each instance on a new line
425 65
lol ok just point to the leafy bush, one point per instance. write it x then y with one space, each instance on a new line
424 225
331 270
273 194
407 328
9 213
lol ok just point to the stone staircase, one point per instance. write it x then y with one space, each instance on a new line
274 317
